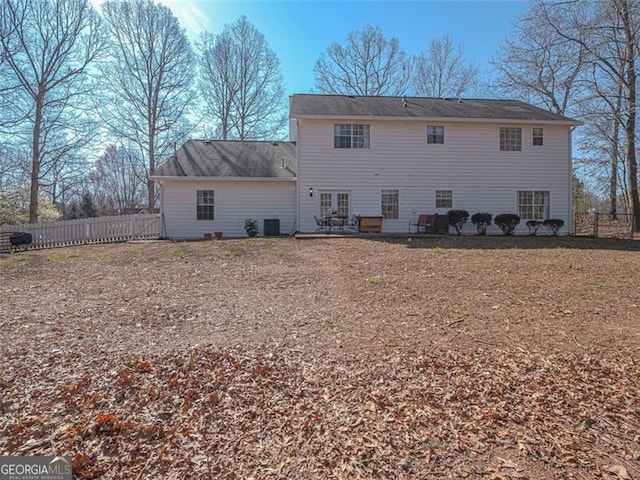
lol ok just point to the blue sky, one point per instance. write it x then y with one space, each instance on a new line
300 30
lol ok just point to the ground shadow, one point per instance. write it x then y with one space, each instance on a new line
497 242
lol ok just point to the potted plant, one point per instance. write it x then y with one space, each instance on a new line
251 227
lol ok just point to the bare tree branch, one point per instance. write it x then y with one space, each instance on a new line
148 80
47 46
443 72
368 64
241 83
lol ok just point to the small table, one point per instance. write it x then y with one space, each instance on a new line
370 223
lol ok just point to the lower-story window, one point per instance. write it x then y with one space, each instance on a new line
204 204
390 204
334 203
533 204
444 199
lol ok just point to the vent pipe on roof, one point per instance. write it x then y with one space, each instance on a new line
404 101
283 164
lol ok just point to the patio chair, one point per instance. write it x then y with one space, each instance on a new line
425 223
353 224
322 225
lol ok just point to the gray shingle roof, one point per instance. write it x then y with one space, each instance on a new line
223 158
336 106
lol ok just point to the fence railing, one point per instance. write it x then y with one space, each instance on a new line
602 225
85 230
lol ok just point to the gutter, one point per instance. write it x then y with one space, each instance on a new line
338 117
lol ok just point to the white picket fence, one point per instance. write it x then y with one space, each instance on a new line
85 230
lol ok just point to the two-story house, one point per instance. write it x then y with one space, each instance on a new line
394 157
398 157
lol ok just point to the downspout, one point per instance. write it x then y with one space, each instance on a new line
570 219
298 190
163 226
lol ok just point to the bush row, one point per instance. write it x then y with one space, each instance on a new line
506 222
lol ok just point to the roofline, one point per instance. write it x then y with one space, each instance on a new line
160 178
218 140
435 119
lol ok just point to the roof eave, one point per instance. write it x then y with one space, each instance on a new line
218 179
436 119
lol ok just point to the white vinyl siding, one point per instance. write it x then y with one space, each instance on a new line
398 157
235 201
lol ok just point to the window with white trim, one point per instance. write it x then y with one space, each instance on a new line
444 198
533 204
510 139
346 135
390 204
435 134
538 138
204 204
334 203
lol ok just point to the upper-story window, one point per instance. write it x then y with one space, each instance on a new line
538 138
347 135
510 139
435 134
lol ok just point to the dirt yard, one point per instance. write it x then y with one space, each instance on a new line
488 358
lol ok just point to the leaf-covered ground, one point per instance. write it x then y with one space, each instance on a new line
354 358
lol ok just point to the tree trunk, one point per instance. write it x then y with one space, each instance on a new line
151 183
35 160
152 156
630 127
613 183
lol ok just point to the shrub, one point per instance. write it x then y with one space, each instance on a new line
507 222
554 225
457 219
533 226
481 221
251 227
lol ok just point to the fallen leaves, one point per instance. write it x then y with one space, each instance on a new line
273 413
137 373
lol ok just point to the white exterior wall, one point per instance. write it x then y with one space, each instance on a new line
470 163
235 201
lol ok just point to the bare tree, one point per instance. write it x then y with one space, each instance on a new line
538 65
368 64
47 46
241 83
115 186
442 71
148 80
609 32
